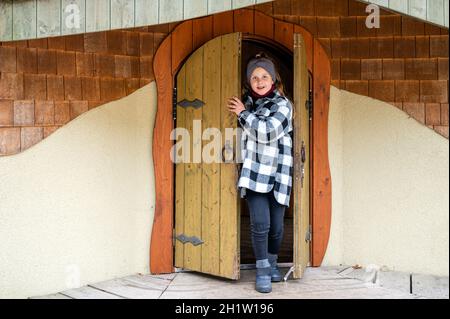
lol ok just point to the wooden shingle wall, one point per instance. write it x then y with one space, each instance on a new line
44 83
404 62
28 19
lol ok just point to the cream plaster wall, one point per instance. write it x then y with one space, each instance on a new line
78 207
390 186
334 253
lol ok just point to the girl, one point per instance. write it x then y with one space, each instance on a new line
266 175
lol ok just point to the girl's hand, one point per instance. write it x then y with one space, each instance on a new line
235 105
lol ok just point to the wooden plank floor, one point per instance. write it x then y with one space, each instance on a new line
317 283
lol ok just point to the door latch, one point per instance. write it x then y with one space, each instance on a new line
302 163
308 236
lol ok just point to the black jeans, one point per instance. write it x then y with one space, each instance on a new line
266 223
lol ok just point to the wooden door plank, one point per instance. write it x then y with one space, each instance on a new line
308 39
193 172
6 22
305 199
296 182
180 170
48 18
301 137
96 19
146 12
229 201
211 171
24 19
207 75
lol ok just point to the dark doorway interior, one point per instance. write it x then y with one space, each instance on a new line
284 63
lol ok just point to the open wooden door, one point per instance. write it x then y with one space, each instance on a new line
302 229
207 223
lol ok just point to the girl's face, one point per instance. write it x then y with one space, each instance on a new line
261 81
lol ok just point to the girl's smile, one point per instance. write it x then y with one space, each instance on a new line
261 81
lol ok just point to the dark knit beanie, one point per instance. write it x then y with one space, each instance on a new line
264 63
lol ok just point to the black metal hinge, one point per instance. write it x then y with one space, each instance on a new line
173 237
174 103
196 104
189 239
309 104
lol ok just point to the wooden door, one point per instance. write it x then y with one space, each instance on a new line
302 229
207 221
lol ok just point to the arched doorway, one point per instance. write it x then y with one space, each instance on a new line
283 59
169 58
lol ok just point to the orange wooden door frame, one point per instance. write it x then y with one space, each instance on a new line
170 56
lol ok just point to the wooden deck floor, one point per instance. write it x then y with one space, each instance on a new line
318 283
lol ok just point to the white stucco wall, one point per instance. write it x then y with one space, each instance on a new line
390 186
80 202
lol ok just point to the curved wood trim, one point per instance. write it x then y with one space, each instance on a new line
161 252
172 52
321 176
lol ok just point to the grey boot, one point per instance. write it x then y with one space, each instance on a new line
263 279
274 271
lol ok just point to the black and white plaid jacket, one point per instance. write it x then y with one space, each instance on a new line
266 146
